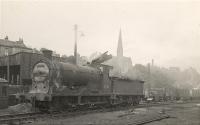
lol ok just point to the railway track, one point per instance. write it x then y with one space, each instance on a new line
9 119
150 119
20 118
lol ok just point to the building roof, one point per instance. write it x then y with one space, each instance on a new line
127 79
8 43
119 61
123 58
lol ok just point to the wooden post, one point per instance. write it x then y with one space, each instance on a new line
8 66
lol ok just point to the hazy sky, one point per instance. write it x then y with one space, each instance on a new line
168 32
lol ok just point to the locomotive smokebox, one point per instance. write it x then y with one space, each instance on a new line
47 53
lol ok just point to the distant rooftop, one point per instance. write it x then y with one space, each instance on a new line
8 43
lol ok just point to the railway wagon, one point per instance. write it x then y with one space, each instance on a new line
3 93
158 94
63 85
195 93
163 94
182 94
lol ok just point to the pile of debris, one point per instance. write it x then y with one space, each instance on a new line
20 108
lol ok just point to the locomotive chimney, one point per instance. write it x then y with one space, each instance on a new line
47 53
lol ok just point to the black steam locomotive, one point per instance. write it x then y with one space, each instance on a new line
58 85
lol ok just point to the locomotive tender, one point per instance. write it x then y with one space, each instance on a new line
58 85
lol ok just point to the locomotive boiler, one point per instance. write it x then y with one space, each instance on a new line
58 74
59 85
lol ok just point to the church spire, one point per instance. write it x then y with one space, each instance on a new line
120 47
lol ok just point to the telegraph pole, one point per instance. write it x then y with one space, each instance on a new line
75 44
149 79
8 66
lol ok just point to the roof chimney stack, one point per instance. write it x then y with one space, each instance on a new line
20 41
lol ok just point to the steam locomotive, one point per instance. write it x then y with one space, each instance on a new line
59 85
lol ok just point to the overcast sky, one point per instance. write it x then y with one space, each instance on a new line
168 32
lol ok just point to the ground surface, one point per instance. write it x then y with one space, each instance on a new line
182 114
